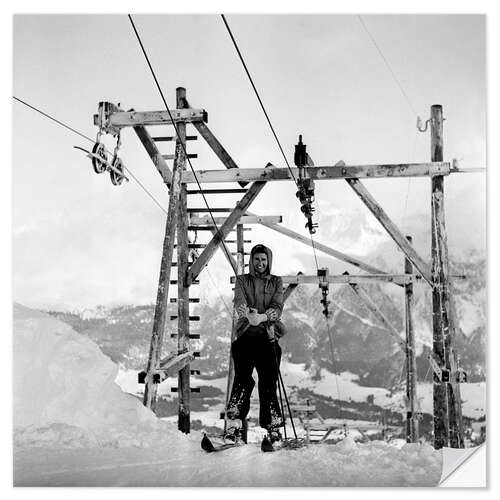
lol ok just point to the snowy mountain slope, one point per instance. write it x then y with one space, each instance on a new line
75 427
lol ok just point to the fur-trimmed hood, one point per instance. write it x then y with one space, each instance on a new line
261 249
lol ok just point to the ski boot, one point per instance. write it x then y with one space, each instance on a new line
272 441
233 432
275 436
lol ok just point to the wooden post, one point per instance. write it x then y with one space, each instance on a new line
184 390
240 263
412 433
446 395
150 388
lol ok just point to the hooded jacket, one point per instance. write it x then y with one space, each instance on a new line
262 292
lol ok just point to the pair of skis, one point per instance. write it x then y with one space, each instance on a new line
265 446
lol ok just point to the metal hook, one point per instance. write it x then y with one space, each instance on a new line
419 124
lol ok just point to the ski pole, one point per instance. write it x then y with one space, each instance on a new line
280 381
279 386
287 403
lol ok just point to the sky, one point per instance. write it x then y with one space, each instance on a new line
79 241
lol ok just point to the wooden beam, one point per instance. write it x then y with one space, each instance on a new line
174 365
183 342
172 138
321 173
290 288
319 246
240 269
373 308
122 119
379 213
224 230
227 252
206 220
448 431
154 154
346 279
217 147
198 210
412 431
217 191
399 279
159 320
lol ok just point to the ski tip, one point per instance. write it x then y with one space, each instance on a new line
206 444
266 445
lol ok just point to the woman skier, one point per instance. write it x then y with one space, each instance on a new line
258 301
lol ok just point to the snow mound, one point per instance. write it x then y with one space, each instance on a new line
65 391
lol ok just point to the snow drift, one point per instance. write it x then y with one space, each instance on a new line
65 391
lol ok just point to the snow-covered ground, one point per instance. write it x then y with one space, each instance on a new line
74 426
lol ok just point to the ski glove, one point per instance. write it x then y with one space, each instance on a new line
255 318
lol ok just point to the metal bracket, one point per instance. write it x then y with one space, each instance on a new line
444 375
439 168
101 119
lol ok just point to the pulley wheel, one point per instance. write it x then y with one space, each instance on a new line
100 152
116 178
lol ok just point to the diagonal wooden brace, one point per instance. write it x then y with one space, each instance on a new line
372 307
224 230
319 246
154 154
391 228
227 253
217 147
163 289
290 288
174 365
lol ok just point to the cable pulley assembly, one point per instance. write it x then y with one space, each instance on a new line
305 194
99 155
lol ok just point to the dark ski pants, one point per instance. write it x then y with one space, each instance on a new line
259 353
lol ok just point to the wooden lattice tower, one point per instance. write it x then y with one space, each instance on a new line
181 219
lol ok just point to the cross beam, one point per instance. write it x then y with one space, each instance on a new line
356 279
206 220
121 119
321 173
